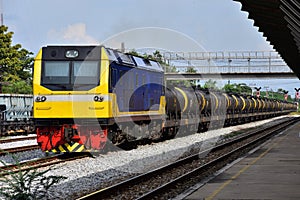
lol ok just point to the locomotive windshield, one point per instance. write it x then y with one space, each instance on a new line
70 75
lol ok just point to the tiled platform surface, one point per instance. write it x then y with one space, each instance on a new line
271 172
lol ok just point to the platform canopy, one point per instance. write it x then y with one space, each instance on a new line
279 21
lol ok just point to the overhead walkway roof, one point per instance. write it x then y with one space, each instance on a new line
279 21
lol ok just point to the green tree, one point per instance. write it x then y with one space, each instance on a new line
230 88
157 56
191 70
20 87
210 84
15 63
133 52
240 88
244 89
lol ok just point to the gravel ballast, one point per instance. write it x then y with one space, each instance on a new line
89 174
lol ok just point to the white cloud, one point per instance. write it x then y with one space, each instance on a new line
74 33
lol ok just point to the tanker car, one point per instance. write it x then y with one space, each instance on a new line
86 97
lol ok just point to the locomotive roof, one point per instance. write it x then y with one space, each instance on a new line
58 52
132 60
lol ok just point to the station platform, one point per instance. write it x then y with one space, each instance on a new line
271 171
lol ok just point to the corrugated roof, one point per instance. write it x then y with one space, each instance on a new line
279 21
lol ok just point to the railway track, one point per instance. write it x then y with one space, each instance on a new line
170 180
18 149
2 141
39 163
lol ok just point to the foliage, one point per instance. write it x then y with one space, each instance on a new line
191 70
30 184
240 88
157 56
275 95
282 91
134 52
210 84
15 61
20 87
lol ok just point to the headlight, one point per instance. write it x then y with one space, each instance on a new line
41 99
98 98
72 54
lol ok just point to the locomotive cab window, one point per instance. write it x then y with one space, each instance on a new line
70 75
56 72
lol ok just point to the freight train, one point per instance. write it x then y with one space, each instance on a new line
86 97
16 114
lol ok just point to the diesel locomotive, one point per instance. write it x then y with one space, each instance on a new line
86 97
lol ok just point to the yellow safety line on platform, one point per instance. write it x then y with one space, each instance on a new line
217 191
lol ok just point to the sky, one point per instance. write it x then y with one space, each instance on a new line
174 25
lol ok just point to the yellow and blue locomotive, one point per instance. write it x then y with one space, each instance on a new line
85 94
88 96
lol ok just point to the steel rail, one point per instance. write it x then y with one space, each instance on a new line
16 139
115 189
39 163
18 149
164 188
